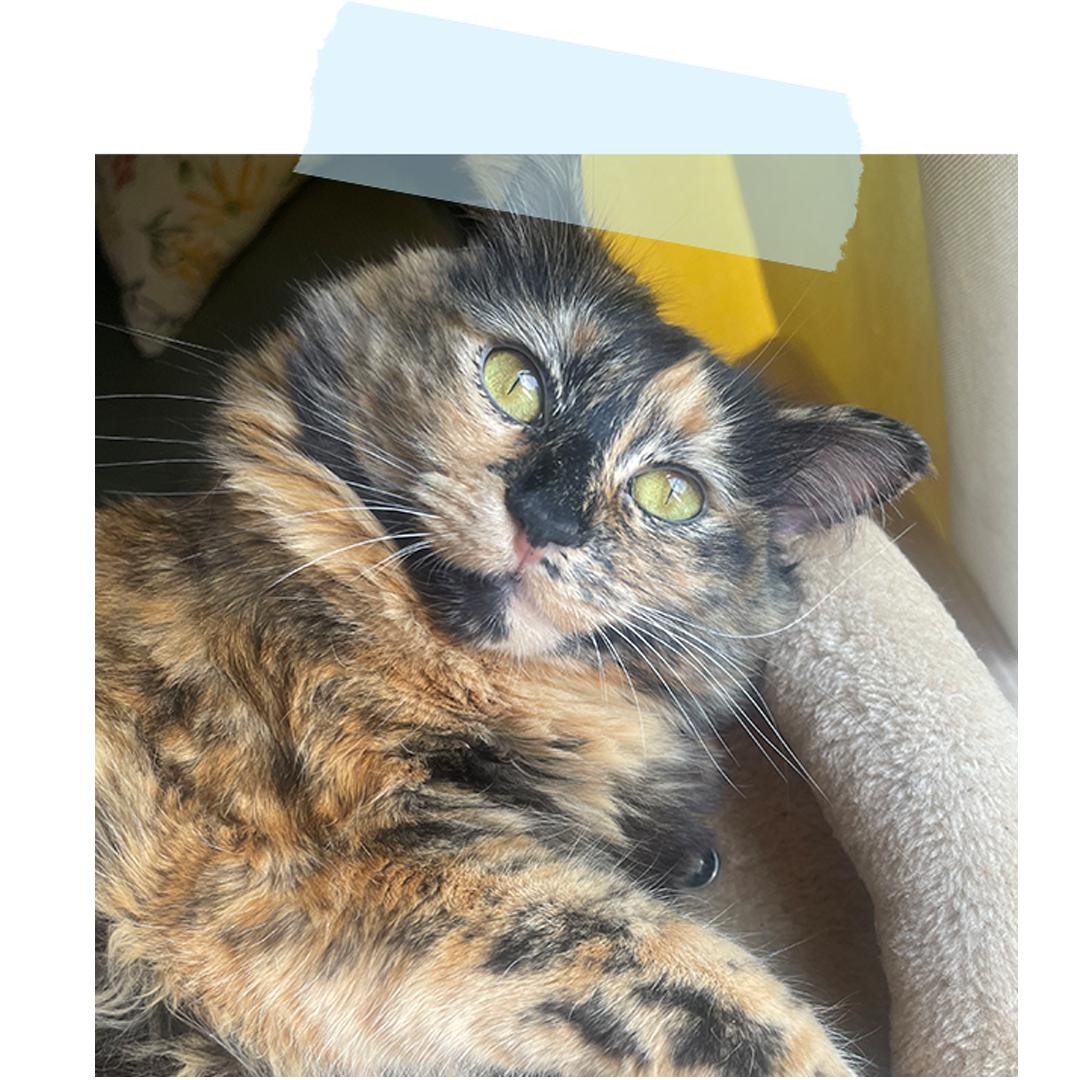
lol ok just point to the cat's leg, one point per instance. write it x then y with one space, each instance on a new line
494 957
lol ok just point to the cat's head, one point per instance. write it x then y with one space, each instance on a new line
562 469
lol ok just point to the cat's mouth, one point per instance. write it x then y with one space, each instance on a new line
527 628
541 611
501 592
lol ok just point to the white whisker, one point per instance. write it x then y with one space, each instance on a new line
690 723
630 683
760 738
339 551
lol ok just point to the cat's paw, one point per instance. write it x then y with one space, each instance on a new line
808 1050
738 1020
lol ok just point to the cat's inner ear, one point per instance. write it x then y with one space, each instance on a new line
833 463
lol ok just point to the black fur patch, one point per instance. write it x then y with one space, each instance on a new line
172 701
728 549
470 605
287 771
606 419
707 1034
599 1025
500 775
666 843
418 936
425 836
546 934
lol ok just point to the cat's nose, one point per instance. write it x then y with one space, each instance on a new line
544 519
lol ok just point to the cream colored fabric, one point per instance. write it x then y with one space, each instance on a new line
914 750
970 210
170 223
789 894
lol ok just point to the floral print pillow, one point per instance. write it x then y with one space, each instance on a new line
169 223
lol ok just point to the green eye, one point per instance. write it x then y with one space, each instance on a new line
514 385
668 494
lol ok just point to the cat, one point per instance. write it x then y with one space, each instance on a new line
406 729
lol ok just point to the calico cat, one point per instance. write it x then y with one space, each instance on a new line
406 729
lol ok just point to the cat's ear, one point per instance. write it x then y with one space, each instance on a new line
833 463
534 185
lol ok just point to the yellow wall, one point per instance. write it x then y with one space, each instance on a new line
864 333
720 297
869 327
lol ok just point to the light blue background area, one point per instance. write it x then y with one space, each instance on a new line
799 207
395 83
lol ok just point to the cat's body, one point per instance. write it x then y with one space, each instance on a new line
406 729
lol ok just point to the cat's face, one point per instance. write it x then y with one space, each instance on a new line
564 470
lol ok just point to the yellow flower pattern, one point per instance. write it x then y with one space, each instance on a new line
193 259
168 225
231 197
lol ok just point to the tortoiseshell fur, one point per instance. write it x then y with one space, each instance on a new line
391 781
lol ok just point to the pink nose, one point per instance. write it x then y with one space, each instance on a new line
524 552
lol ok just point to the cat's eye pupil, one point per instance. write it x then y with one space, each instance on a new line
513 383
668 494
